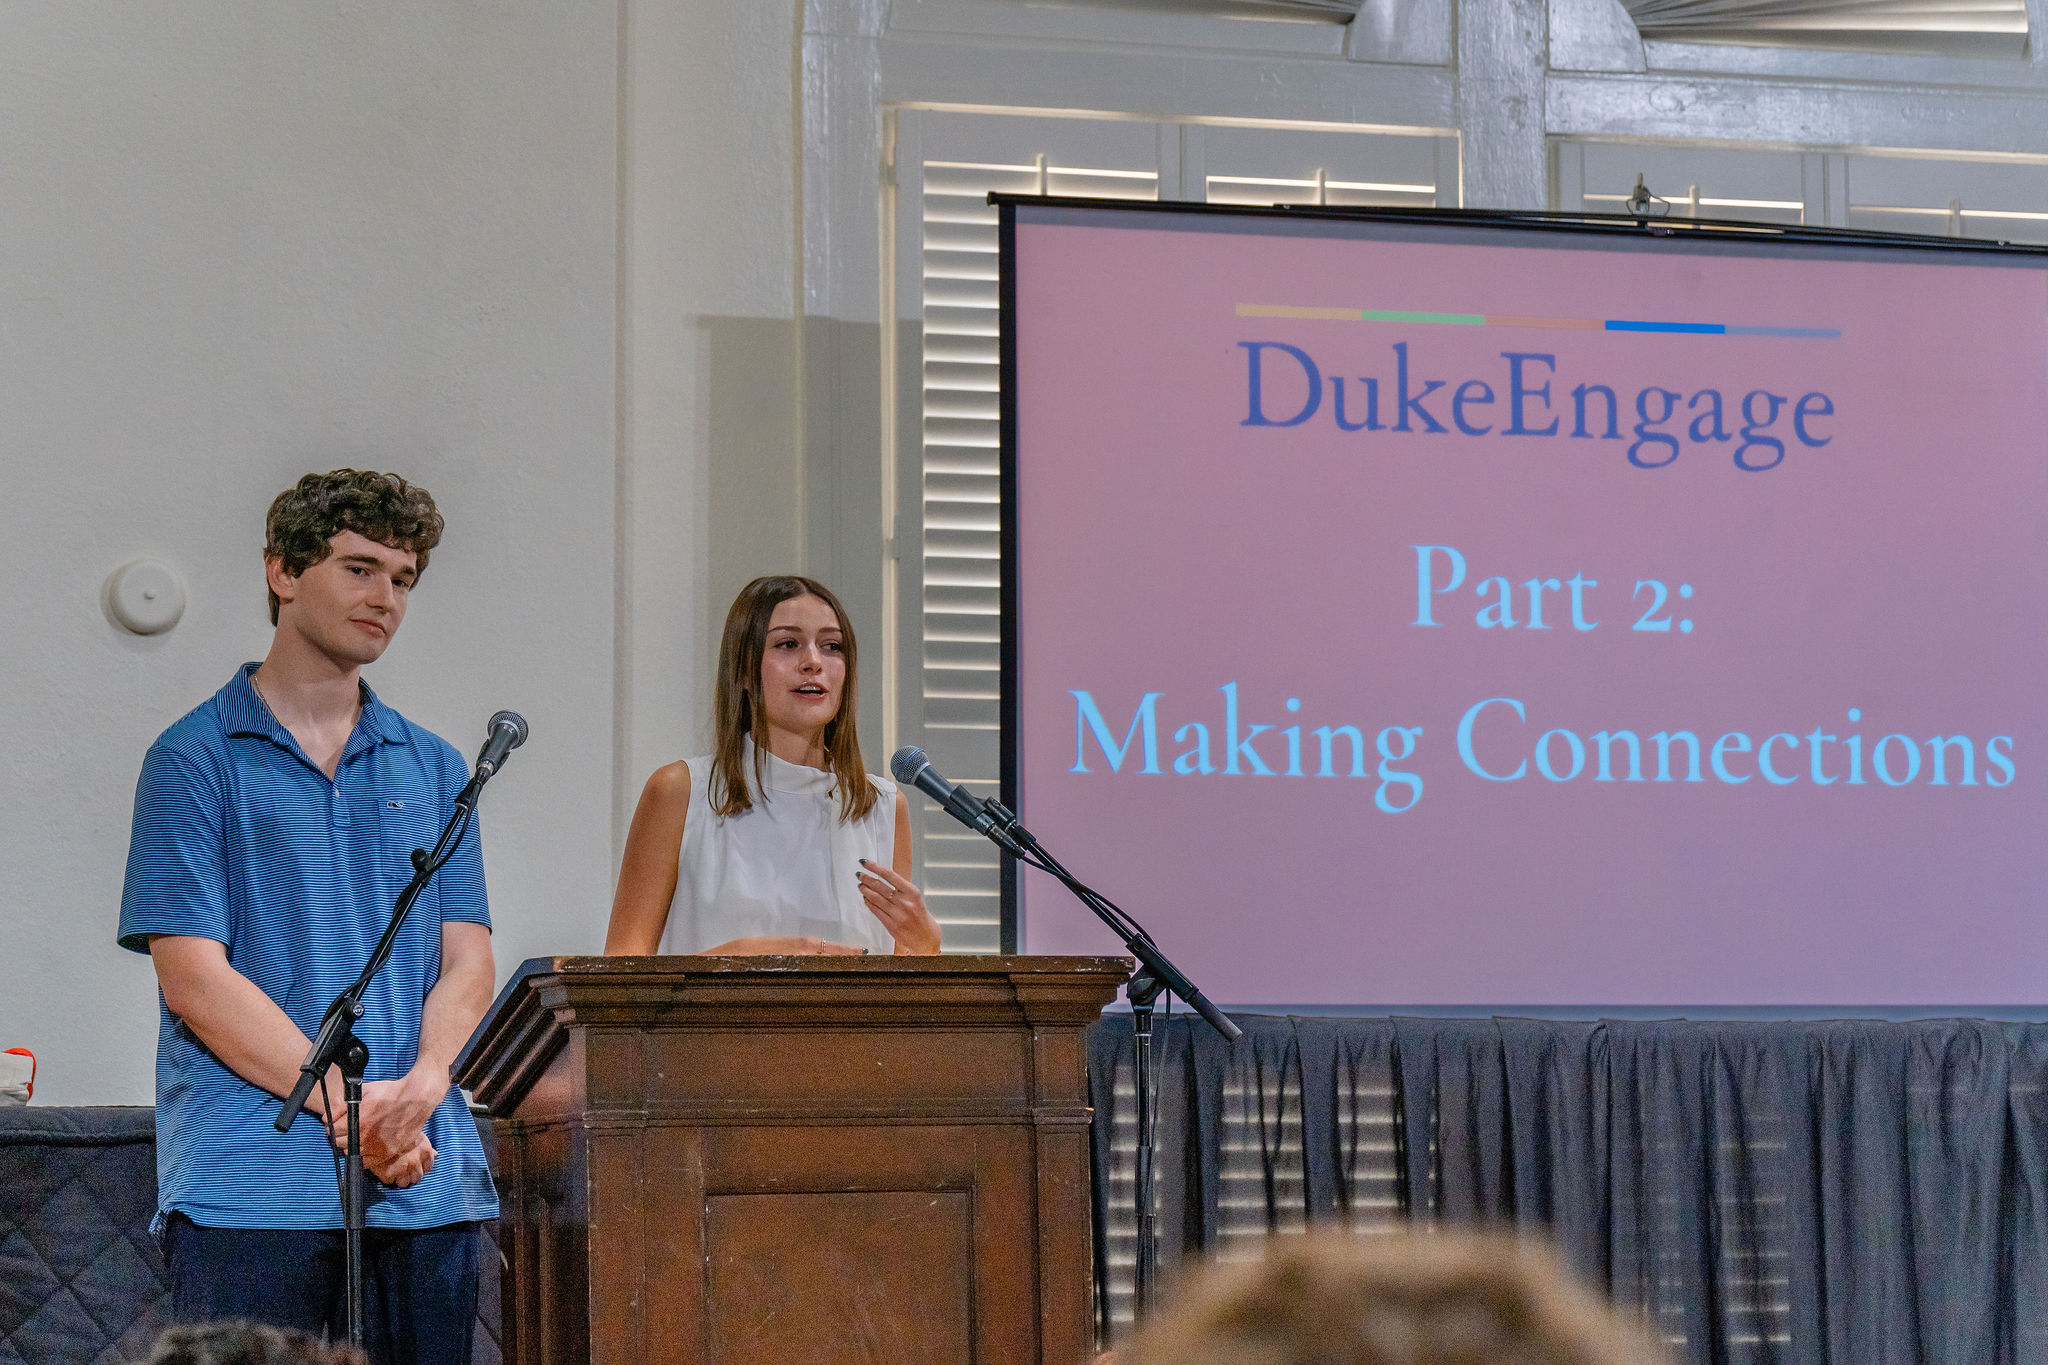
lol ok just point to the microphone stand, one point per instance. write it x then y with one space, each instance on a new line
1155 974
335 1045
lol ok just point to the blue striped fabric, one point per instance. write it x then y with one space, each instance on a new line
240 839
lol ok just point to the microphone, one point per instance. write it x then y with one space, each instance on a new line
508 732
996 821
910 766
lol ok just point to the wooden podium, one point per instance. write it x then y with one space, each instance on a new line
756 1160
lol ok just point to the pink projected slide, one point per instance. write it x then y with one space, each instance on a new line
1510 619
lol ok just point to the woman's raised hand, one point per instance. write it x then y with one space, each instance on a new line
899 905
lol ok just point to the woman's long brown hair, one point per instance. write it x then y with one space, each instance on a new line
737 702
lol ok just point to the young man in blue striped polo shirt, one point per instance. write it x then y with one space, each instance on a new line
274 828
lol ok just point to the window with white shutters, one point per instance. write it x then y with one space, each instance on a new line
948 510
957 625
1747 184
1999 198
1262 1180
1377 168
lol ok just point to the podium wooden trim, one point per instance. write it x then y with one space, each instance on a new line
755 1159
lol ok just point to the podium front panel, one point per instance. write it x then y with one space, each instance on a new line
881 1275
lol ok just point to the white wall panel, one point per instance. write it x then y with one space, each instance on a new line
243 242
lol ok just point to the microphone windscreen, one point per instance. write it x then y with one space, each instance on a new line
904 766
513 719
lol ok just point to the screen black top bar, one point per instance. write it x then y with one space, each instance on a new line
1312 219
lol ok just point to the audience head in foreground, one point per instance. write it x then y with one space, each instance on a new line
246 1343
1398 1299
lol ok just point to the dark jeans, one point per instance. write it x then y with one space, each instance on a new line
419 1288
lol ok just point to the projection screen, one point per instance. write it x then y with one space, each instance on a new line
1421 611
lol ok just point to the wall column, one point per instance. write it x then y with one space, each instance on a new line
1502 66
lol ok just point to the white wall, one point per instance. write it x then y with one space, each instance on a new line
240 241
710 480
539 257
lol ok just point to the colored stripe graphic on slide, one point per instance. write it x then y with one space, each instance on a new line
1283 310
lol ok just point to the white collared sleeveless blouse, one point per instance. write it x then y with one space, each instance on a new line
789 866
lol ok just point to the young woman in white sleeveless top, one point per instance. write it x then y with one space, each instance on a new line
781 841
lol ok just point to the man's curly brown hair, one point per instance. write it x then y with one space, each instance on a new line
246 1343
306 518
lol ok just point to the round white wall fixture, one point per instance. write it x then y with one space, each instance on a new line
145 597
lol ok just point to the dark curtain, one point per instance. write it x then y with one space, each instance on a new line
1827 1193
